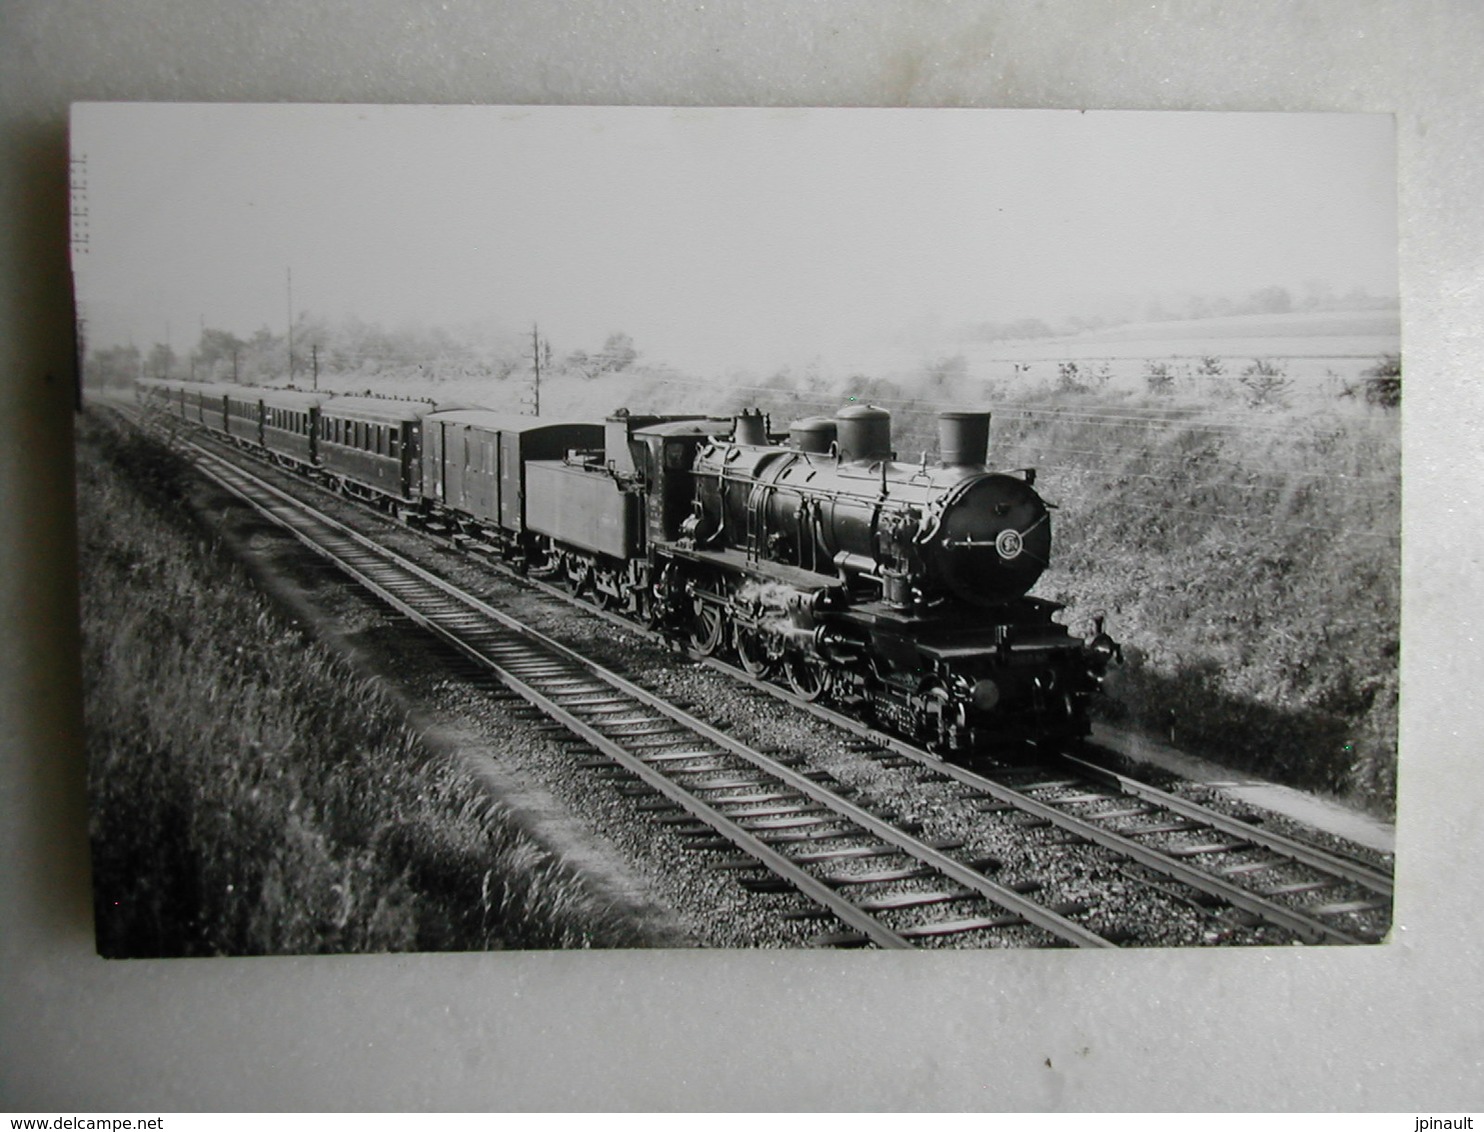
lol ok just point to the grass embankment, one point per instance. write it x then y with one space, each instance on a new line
250 793
1252 563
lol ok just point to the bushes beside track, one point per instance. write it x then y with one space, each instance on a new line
1252 565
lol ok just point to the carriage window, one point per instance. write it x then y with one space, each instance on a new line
674 455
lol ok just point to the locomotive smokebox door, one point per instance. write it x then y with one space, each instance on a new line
993 540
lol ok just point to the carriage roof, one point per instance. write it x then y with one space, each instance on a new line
381 410
291 398
492 421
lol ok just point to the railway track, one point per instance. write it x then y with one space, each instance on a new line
1271 877
789 831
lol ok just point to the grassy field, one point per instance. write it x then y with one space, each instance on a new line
250 793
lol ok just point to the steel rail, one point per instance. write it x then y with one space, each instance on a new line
1311 855
1306 927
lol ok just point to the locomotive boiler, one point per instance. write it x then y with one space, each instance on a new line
899 586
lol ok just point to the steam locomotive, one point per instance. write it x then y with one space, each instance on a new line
898 590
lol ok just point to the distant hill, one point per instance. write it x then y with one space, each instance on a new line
1303 324
1302 334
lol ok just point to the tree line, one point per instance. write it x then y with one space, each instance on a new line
350 346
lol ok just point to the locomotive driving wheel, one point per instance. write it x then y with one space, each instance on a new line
707 629
752 651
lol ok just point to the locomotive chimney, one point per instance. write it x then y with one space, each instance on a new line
749 427
864 434
812 434
963 439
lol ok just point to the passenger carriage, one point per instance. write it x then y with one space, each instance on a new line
371 447
206 403
289 425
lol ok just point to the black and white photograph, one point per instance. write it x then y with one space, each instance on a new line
556 527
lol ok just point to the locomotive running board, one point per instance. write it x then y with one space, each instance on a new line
735 560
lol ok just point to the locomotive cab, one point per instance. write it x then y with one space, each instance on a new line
666 450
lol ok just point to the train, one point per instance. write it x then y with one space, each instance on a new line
811 554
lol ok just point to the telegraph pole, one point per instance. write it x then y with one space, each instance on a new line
536 359
314 356
289 274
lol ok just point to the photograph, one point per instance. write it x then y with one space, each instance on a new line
577 527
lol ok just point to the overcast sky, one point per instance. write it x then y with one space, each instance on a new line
716 238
